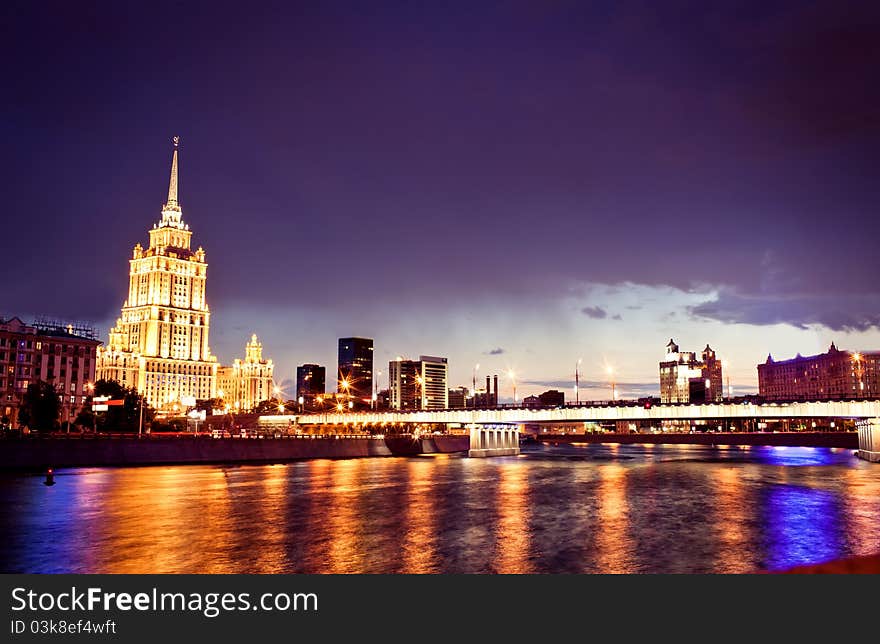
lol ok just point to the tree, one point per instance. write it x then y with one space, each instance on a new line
268 407
125 417
86 417
40 406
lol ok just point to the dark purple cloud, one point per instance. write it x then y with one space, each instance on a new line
843 312
595 312
331 153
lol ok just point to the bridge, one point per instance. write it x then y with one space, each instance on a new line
622 412
493 431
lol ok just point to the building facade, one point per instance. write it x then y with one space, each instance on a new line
248 382
459 398
834 375
419 384
62 355
310 381
160 342
355 368
684 378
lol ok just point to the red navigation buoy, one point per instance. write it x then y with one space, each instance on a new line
50 477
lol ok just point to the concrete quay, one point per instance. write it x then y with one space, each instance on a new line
38 454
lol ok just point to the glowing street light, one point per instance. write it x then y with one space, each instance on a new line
476 368
725 366
301 400
610 371
857 358
376 389
420 381
280 409
512 376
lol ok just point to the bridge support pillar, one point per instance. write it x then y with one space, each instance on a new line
869 439
493 442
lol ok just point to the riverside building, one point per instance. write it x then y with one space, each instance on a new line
160 342
355 372
834 375
418 384
55 352
247 383
684 378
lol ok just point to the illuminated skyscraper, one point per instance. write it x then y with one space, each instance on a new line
160 342
355 375
419 384
248 382
309 380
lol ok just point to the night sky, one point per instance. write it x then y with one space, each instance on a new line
519 184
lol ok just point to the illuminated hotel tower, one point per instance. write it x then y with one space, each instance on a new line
160 342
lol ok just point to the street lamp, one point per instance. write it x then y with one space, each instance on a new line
512 376
857 358
474 390
725 366
91 389
301 400
610 371
376 389
577 380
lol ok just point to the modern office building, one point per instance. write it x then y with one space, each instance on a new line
355 371
419 384
684 378
310 381
459 398
160 342
249 381
62 354
834 375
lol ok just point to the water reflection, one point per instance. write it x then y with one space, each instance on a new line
420 532
562 508
612 538
344 553
512 531
802 526
732 530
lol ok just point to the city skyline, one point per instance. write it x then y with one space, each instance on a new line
329 212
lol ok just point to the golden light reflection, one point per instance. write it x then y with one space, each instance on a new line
343 524
268 535
152 515
732 534
613 544
513 520
420 540
863 532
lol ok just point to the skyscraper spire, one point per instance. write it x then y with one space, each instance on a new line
172 204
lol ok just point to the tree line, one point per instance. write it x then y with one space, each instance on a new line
41 407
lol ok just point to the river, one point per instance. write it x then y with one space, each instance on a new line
553 509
